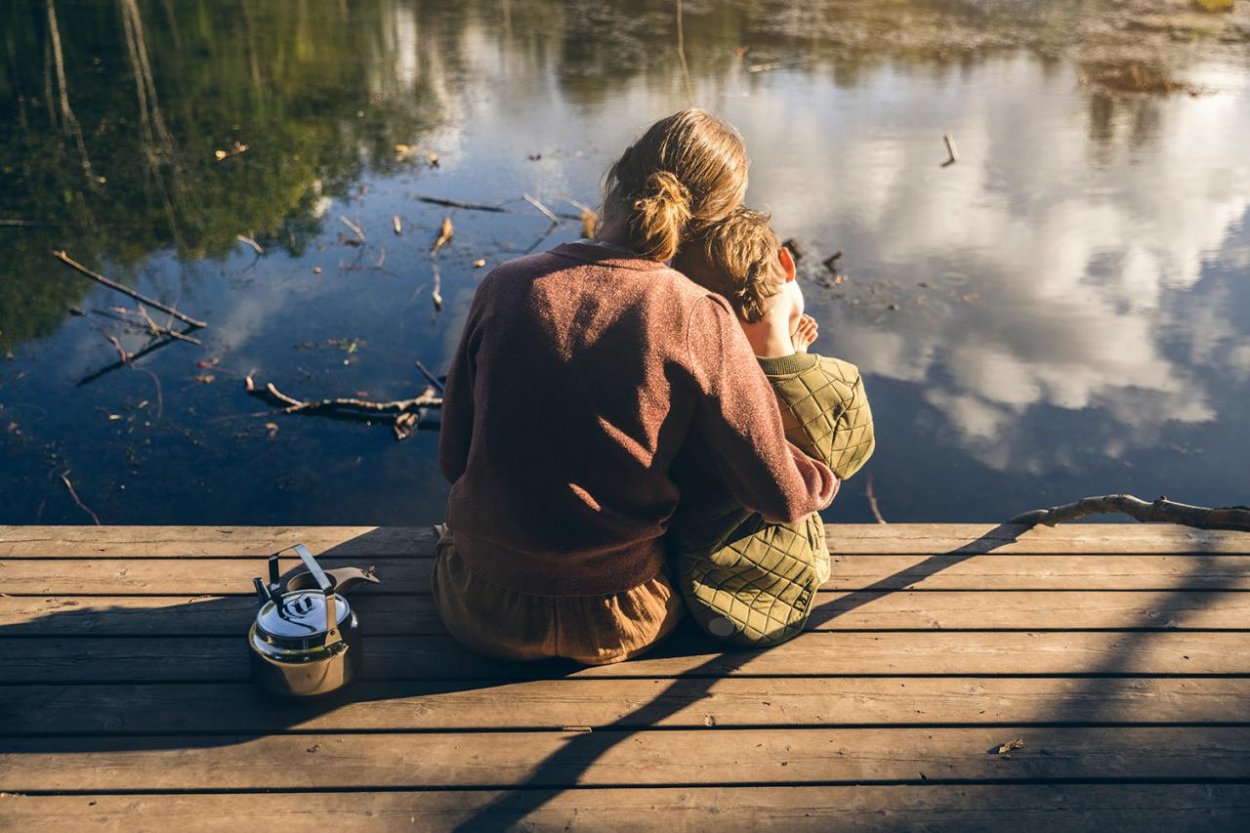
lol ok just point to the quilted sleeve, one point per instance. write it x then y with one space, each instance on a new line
825 412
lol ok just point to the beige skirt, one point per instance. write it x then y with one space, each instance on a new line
595 630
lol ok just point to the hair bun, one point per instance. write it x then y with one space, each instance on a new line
665 186
661 214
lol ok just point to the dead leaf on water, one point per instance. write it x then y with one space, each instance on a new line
1018 743
445 232
205 378
479 263
398 226
272 428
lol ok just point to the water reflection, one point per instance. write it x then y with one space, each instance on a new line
1063 311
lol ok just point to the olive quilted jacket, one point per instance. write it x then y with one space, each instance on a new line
746 580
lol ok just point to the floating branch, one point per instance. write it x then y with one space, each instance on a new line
405 415
471 206
125 290
157 330
1161 510
256 247
357 230
547 212
589 217
952 153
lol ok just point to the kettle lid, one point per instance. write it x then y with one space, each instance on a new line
301 615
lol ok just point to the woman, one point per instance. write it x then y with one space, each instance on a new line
578 376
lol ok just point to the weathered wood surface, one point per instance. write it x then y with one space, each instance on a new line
378 542
1119 654
1140 808
398 615
408 706
831 654
217 576
623 757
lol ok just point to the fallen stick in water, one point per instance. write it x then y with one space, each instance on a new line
1161 510
871 494
953 155
157 330
125 290
471 206
547 212
405 415
78 501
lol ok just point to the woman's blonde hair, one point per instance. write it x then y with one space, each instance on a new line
737 258
687 171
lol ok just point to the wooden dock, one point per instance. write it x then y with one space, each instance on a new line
1119 655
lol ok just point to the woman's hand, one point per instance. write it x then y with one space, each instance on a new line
804 333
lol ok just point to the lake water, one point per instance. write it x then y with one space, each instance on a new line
1064 311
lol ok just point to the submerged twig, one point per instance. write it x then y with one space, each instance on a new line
126 358
436 294
433 380
1161 510
871 493
357 230
157 330
77 500
132 357
125 290
471 206
547 212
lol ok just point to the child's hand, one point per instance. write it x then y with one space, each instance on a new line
805 333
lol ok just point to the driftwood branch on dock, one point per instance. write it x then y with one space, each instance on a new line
1161 510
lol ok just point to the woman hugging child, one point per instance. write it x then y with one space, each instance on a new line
745 579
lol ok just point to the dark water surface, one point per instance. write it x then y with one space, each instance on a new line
1065 311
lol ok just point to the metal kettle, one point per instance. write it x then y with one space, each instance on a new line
306 638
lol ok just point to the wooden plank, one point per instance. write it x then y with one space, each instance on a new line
621 758
184 577
212 541
1140 808
379 542
195 577
863 610
204 616
235 708
1107 538
220 659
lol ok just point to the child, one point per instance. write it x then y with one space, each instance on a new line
745 579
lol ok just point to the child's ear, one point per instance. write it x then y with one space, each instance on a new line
787 263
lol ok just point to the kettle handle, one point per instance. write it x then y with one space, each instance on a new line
326 587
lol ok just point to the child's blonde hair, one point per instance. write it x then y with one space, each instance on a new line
686 171
737 258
